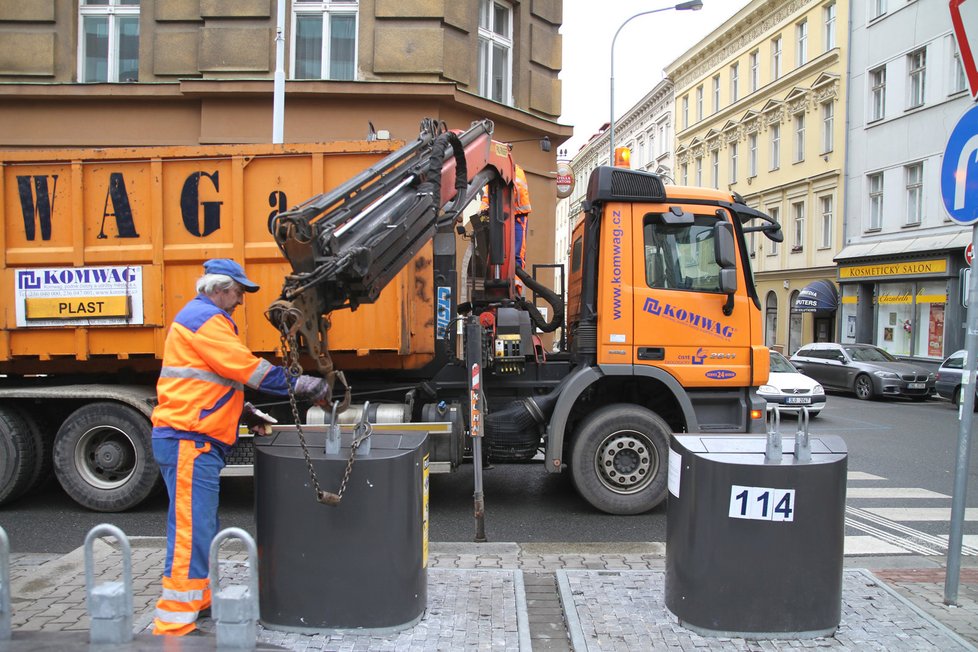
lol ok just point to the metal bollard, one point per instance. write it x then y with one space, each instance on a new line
4 586
109 603
803 446
235 608
772 452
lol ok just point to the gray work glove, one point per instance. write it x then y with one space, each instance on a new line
311 388
257 421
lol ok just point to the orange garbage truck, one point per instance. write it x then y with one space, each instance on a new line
363 283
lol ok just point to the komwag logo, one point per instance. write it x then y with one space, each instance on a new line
688 318
29 279
697 358
616 236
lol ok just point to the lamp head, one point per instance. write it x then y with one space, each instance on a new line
694 5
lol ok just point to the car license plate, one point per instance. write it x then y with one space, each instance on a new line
916 385
798 400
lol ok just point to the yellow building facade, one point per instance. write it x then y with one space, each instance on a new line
760 110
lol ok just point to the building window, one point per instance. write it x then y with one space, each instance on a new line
699 170
798 218
827 210
799 137
715 163
752 155
875 182
775 146
699 102
958 80
685 111
733 162
735 82
879 8
776 58
775 214
917 67
771 319
685 169
914 175
496 51
755 75
751 244
325 40
829 13
108 41
801 31
828 126
716 93
877 78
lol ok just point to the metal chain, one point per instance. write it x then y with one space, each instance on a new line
293 369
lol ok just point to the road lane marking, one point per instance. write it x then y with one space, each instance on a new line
892 492
861 475
912 540
870 545
922 513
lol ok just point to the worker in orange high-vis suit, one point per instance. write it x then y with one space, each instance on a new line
200 402
521 210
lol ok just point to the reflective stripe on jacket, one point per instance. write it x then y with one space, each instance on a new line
205 370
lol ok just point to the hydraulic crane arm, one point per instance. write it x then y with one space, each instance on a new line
346 245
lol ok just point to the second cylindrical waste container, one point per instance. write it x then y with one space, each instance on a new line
754 548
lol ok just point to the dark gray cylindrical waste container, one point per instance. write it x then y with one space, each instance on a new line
755 549
359 565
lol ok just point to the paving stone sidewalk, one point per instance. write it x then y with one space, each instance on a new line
518 604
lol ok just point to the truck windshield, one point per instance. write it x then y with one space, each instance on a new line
681 257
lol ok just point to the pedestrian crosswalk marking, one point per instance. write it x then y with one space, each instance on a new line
930 514
892 492
870 545
861 475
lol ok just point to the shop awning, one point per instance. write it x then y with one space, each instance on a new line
817 296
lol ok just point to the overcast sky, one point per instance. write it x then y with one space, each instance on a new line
643 49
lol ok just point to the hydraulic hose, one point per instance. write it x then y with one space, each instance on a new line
549 296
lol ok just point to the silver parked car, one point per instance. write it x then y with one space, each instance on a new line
867 370
948 383
791 390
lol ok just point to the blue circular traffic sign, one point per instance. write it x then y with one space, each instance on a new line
959 171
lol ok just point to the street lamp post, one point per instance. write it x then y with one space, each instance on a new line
694 5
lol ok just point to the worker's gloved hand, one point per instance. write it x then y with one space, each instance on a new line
311 388
257 421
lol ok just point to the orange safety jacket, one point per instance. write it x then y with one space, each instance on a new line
205 370
522 194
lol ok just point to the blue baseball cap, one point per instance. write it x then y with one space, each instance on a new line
228 267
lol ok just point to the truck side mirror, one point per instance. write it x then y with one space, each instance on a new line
725 254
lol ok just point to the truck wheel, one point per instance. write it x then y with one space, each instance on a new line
619 461
103 457
17 455
40 432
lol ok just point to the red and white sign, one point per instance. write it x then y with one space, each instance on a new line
964 18
969 253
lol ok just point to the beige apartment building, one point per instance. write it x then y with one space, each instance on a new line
760 110
99 73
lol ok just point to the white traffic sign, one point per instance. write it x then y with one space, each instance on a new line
959 171
964 18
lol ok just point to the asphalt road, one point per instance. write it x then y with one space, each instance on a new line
909 444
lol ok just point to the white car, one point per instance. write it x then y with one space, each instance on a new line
790 390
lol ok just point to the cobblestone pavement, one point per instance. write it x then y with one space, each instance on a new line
518 604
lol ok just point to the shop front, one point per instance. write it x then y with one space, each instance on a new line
908 306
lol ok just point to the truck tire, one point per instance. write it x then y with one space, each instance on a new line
103 457
40 432
619 461
17 455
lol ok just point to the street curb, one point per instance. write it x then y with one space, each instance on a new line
574 627
522 614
